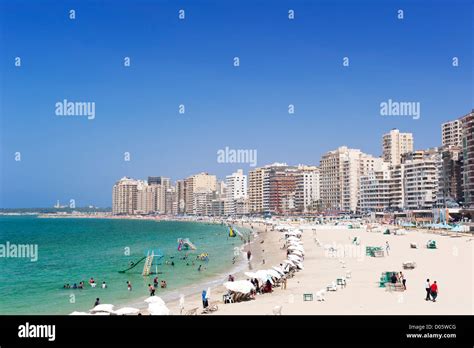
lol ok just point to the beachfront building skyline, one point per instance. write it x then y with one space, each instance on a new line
451 133
236 191
395 144
346 180
198 190
340 172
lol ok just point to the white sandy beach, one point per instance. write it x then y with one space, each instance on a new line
451 265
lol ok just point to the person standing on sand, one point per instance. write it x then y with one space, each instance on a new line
403 280
387 248
428 289
249 255
434 291
205 302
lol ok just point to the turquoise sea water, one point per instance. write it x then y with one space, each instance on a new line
71 250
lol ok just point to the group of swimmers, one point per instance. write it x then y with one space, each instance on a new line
92 283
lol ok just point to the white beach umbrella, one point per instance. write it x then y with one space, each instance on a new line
79 313
108 308
274 273
289 262
155 299
279 270
263 275
296 252
251 275
242 286
158 309
294 258
293 238
127 311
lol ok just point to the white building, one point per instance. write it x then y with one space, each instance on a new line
307 188
395 144
124 196
236 189
451 133
375 194
340 172
199 184
421 183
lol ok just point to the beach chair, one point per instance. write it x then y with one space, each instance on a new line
332 287
409 265
211 308
227 298
320 295
307 297
348 274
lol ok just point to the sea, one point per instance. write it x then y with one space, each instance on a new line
71 250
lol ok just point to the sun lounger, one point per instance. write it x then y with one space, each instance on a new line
409 265
320 295
332 287
211 308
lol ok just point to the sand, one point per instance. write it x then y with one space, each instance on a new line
451 265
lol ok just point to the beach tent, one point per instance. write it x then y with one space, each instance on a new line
242 286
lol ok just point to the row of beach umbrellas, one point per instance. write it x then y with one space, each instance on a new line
294 260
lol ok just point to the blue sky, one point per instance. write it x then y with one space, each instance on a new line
190 62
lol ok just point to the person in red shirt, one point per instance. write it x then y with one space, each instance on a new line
434 291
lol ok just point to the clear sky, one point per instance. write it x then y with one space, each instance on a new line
190 62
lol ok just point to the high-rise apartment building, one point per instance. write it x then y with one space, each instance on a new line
307 188
467 123
236 189
395 144
125 196
451 133
340 172
196 187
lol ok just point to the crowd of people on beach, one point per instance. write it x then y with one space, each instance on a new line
92 283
